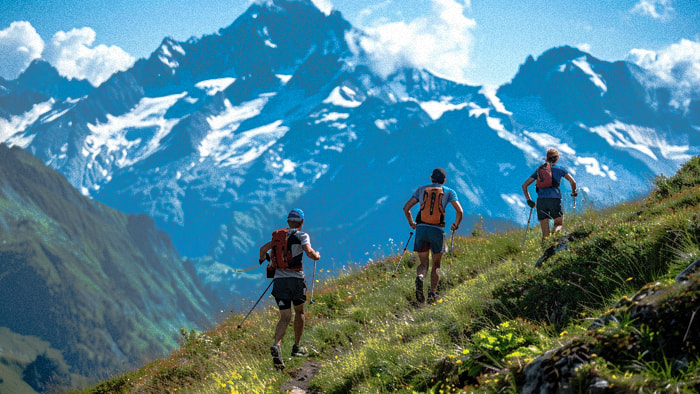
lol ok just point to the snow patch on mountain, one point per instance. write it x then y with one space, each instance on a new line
384 124
596 78
641 139
166 55
343 96
284 78
11 129
336 142
517 141
490 93
53 115
287 167
332 117
138 131
214 86
230 150
171 44
435 109
226 122
171 63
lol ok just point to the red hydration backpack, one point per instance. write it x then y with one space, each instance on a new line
431 210
544 176
281 254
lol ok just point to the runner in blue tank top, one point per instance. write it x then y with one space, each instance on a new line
549 199
430 233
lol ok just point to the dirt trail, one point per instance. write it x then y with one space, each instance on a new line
300 378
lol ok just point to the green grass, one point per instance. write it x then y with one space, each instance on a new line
498 315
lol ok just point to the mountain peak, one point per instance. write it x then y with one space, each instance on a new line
169 52
559 55
38 72
41 77
286 3
532 73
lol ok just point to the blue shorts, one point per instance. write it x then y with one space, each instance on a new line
429 238
549 208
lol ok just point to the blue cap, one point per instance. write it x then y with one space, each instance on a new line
296 215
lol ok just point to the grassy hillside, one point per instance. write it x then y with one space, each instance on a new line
605 313
87 289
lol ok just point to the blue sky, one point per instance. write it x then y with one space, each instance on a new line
480 42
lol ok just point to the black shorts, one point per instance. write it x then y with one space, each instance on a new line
288 291
549 208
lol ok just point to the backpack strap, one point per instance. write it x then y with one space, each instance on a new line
295 262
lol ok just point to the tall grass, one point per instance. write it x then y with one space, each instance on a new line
497 314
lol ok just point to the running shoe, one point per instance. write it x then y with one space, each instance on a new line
420 296
277 357
299 351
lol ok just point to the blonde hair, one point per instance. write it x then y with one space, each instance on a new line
552 155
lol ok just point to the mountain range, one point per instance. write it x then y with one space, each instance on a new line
217 137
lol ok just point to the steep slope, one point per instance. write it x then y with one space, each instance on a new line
613 310
108 290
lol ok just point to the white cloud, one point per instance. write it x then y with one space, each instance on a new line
74 56
584 47
324 5
440 41
677 67
19 45
72 53
656 9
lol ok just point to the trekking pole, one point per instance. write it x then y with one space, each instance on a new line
256 304
239 270
528 224
313 280
452 248
396 269
267 257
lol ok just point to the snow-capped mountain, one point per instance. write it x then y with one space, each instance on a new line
218 137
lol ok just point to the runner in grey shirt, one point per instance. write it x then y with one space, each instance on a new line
289 286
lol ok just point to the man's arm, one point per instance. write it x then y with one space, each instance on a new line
314 255
571 180
458 217
526 192
263 251
527 184
407 211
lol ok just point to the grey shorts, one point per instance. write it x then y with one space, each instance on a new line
429 238
288 291
549 208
